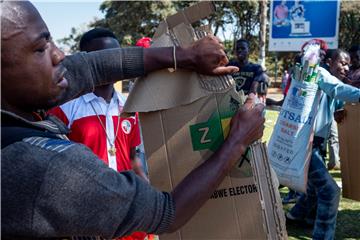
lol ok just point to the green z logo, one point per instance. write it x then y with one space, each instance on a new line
205 132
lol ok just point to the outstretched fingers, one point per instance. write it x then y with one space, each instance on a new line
225 70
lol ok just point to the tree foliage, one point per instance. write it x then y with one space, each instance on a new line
349 26
72 41
241 15
131 20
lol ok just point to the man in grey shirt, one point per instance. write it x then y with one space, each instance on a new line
52 187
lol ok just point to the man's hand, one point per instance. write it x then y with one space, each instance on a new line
196 188
247 125
206 56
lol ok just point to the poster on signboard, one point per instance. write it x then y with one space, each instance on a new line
294 22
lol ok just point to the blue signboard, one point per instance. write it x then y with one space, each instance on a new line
294 22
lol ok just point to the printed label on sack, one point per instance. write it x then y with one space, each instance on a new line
289 146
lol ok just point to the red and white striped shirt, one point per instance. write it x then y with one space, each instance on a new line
85 127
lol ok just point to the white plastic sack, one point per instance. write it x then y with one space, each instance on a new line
290 145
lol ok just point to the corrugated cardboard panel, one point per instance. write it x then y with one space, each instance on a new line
266 180
205 8
191 14
157 84
189 86
185 118
176 19
151 127
233 216
160 30
163 41
184 32
349 136
235 200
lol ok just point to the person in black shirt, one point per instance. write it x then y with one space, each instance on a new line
250 74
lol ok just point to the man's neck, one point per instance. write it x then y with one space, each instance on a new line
106 92
28 115
243 62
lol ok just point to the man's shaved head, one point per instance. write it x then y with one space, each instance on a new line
13 17
30 62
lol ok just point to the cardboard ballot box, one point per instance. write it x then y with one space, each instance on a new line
178 138
349 136
185 117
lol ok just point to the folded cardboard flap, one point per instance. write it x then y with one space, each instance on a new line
191 14
183 35
173 20
164 40
164 89
265 178
160 30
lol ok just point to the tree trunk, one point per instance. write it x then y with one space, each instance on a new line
262 32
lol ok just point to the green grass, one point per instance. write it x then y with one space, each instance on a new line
270 120
348 220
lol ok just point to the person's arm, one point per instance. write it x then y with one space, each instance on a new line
337 89
206 56
254 87
81 196
260 76
134 141
137 165
196 188
77 185
87 70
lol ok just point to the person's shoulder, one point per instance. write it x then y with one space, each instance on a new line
60 150
72 103
66 111
254 67
40 149
55 145
324 72
327 78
